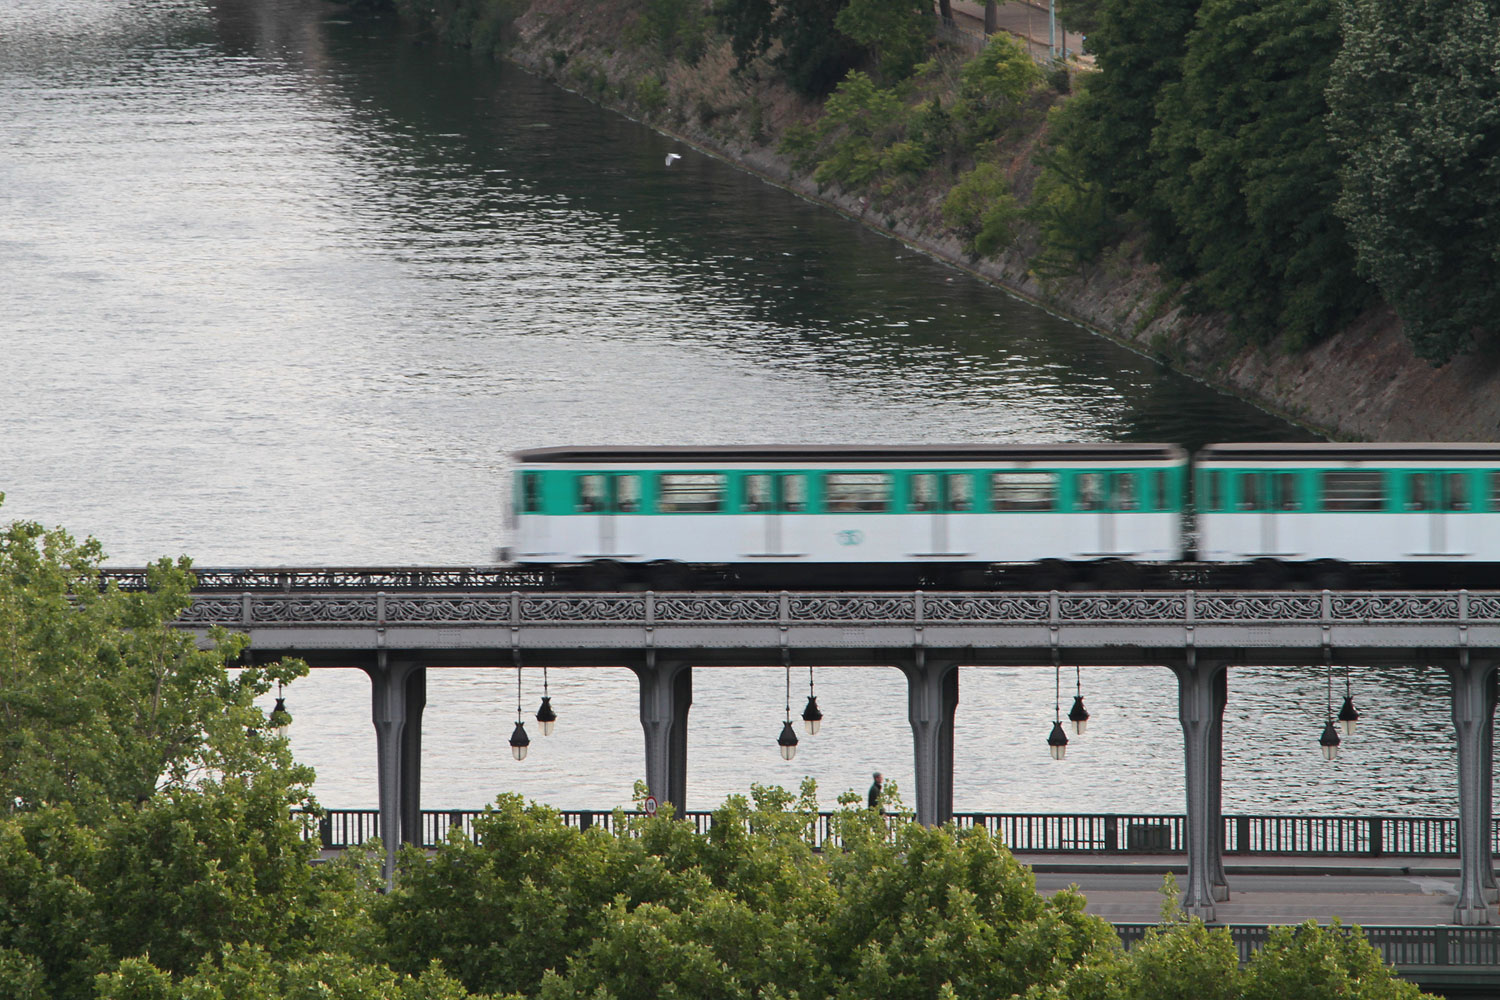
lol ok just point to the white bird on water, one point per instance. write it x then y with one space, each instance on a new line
673 158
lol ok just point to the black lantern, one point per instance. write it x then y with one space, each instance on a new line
1329 741
1057 742
1348 716
519 741
787 741
1078 715
546 716
280 720
812 717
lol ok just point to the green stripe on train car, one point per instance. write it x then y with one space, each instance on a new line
557 492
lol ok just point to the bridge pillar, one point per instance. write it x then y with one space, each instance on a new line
932 700
1202 691
1474 695
666 696
398 693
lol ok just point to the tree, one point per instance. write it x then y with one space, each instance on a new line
1248 176
1415 111
1311 962
896 31
102 702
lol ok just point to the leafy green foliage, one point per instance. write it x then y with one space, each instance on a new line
103 702
861 120
982 210
1068 207
482 25
992 87
897 31
1249 178
1415 105
813 53
678 29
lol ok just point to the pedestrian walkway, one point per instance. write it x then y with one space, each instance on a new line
1265 889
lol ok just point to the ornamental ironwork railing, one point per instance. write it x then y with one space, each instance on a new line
357 578
461 605
1409 949
1100 833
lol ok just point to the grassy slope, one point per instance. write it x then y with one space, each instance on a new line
1361 383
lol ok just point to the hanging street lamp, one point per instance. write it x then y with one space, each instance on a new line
544 715
280 720
1078 715
787 741
1348 715
519 741
812 716
1057 740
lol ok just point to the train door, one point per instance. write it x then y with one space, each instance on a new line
936 497
606 495
775 504
1090 492
1437 501
1450 526
1279 535
1124 498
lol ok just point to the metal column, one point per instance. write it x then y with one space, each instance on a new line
932 700
1202 690
1473 721
398 693
666 696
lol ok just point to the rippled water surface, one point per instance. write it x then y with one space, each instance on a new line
282 287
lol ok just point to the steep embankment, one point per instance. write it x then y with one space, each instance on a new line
1363 383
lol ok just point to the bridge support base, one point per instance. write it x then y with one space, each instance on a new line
1202 690
1474 697
932 700
666 696
398 693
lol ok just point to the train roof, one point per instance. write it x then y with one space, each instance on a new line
1314 451
1102 451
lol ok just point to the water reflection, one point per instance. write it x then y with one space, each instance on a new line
285 287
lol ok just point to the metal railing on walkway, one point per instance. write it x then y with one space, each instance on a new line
1050 833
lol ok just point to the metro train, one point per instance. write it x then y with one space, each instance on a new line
1035 516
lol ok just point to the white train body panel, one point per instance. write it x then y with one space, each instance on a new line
1401 524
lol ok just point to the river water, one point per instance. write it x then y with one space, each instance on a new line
279 286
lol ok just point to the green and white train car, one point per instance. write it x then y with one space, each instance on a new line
1348 503
772 512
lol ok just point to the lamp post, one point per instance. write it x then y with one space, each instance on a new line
519 741
544 715
787 741
812 716
1057 740
280 720
1078 715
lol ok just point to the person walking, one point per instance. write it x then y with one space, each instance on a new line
875 788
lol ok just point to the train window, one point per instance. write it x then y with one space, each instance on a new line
924 491
1455 491
864 492
1215 490
627 494
1353 490
1284 490
690 492
1126 493
531 492
1419 492
1252 491
1159 488
794 493
1090 487
959 490
1023 490
1495 491
758 495
591 496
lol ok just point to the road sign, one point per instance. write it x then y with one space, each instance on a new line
651 805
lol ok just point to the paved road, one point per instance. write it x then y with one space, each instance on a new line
1024 20
1406 891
